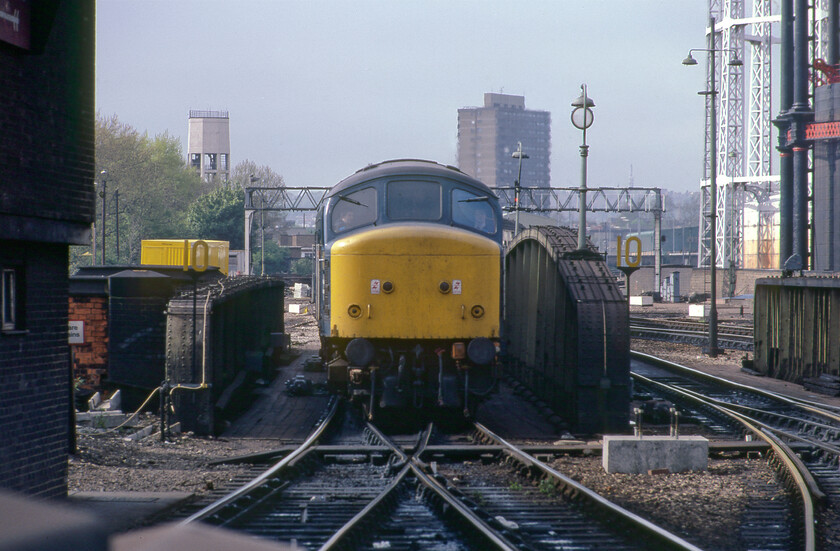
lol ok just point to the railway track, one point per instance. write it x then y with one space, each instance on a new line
804 436
367 490
736 336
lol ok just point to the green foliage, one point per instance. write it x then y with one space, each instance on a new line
548 486
515 486
219 215
302 266
276 259
151 182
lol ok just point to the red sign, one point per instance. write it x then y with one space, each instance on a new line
14 22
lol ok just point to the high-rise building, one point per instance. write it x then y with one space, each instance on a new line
488 136
208 147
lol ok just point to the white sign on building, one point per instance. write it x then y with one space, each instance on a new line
76 334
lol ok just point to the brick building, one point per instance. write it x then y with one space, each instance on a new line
46 204
90 356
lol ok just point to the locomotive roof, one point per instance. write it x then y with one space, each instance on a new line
407 167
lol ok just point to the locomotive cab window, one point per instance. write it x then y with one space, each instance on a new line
354 210
414 200
473 211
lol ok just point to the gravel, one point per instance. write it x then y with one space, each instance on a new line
107 462
704 508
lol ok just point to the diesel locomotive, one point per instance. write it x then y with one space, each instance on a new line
408 287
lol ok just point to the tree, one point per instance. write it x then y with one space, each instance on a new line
248 174
302 266
263 175
276 259
220 215
153 185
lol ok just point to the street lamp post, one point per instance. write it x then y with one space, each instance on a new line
712 92
103 176
518 154
732 210
262 226
117 220
582 118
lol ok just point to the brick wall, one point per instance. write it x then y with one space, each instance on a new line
90 360
34 377
46 203
46 145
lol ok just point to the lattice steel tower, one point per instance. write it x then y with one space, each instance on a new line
747 232
747 191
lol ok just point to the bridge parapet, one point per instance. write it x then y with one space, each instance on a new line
567 329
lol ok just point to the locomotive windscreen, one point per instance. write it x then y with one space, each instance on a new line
413 200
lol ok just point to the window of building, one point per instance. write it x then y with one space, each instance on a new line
209 161
195 160
409 200
223 161
11 299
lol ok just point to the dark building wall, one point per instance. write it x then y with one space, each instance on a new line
46 145
34 376
826 246
46 203
137 336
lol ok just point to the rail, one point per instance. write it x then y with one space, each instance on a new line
804 483
261 479
661 536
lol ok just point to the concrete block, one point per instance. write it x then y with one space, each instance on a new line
296 308
102 419
641 300
302 290
94 401
634 455
698 311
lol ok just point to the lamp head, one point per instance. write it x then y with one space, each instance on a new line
735 62
689 60
578 103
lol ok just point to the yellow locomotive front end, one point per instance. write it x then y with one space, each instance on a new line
409 288
415 282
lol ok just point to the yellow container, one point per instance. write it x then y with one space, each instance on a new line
189 254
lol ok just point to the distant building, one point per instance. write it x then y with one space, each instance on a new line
488 136
208 146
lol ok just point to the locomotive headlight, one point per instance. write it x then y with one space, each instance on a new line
444 287
387 287
481 351
354 311
477 311
360 352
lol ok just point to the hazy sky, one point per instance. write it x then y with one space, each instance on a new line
317 89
